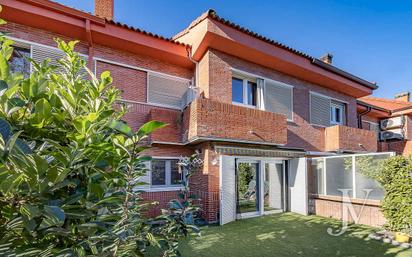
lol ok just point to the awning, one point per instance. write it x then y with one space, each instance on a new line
243 151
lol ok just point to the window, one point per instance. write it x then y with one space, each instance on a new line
165 173
325 111
244 91
165 90
337 111
19 61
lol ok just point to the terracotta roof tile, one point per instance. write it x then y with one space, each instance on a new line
213 15
388 104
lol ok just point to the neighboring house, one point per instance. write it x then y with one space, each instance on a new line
256 109
391 118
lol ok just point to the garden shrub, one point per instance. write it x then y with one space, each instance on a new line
395 176
69 166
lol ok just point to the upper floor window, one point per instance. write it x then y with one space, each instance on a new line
337 112
244 91
19 61
326 112
165 90
165 173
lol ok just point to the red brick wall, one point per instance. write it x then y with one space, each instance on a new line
131 82
209 118
104 8
401 147
347 138
301 133
173 131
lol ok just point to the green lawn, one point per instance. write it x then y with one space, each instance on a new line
282 235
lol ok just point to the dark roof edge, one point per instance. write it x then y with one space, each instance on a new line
360 102
344 74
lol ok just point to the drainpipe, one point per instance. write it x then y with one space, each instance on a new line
189 55
368 110
90 41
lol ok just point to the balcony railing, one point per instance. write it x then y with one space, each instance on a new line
343 138
213 120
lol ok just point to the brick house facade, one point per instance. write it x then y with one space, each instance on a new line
209 56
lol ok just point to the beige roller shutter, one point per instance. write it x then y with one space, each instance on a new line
279 98
42 53
319 110
166 90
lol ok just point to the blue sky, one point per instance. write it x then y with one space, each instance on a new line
370 38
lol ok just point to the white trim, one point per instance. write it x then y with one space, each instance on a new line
140 69
150 104
220 189
245 105
358 154
159 189
353 177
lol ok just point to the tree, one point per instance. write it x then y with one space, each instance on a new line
69 166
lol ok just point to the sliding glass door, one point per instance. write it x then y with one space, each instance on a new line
259 187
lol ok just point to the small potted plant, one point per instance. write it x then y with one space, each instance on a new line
404 236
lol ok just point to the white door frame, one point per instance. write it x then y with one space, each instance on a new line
262 161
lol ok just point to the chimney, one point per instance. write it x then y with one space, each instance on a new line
327 58
104 8
404 97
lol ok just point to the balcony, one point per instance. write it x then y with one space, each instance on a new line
343 138
205 119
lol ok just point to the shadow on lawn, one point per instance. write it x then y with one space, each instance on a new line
287 235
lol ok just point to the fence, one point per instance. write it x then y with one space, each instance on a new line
356 173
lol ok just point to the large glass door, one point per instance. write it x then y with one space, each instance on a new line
247 187
259 187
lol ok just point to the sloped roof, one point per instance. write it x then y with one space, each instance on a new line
116 23
213 15
387 104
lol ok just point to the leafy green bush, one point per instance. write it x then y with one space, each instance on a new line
69 166
396 178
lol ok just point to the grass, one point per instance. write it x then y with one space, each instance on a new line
286 234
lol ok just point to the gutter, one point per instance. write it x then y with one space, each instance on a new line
345 74
360 115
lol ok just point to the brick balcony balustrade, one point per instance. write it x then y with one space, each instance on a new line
209 119
345 138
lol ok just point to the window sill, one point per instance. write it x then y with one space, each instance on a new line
160 188
245 105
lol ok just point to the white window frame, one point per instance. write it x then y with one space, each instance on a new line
245 80
168 175
334 105
240 74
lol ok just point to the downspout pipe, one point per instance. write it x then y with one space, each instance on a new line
189 55
360 115
90 44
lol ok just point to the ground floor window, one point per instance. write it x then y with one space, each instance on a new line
165 172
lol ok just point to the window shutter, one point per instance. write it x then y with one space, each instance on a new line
278 99
146 177
41 53
319 110
166 91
